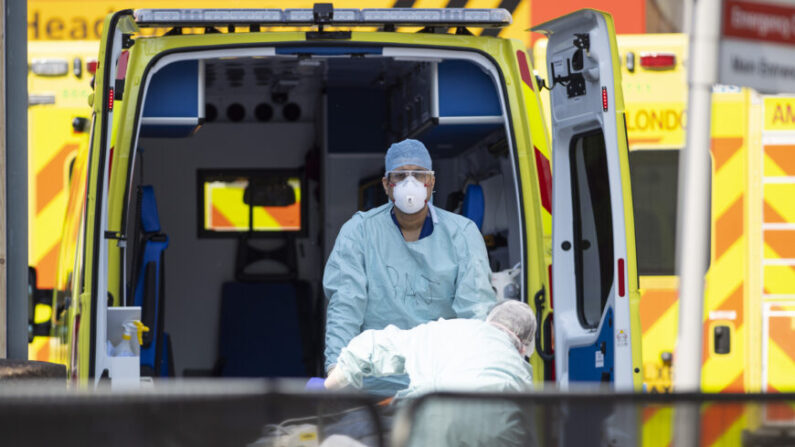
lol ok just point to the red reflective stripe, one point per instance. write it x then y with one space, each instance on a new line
549 271
524 68
121 67
621 277
544 179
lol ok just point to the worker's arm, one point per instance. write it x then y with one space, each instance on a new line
372 353
345 286
473 293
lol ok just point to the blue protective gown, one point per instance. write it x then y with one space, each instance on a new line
374 278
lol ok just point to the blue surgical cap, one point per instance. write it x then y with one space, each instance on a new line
407 152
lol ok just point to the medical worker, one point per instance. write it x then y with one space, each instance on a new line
453 355
404 263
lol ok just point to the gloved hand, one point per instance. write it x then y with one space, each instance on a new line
315 383
336 379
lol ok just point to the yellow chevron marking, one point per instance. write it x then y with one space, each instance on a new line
780 366
779 279
50 218
720 371
779 196
521 22
264 220
733 434
724 275
228 200
661 336
770 253
659 282
36 349
727 180
772 169
483 3
657 430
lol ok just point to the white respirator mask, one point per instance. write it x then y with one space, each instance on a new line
410 195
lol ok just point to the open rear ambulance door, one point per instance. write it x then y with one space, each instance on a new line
597 329
89 333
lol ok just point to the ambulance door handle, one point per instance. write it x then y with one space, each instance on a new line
546 354
722 339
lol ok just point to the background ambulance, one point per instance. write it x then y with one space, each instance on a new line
59 83
749 323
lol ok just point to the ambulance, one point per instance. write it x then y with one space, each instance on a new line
226 152
59 81
749 318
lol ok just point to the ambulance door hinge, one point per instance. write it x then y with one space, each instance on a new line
127 41
118 236
118 90
582 41
573 81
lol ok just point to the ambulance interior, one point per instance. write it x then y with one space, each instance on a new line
252 193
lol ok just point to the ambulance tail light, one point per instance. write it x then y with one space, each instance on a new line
91 66
658 61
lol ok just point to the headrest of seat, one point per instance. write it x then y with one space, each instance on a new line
474 205
150 220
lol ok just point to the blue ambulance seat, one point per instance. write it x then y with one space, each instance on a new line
149 286
474 205
260 329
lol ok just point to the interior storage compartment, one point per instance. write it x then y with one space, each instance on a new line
175 100
303 132
124 371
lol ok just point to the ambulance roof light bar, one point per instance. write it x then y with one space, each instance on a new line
450 17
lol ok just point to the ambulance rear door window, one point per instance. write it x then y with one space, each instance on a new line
593 226
654 175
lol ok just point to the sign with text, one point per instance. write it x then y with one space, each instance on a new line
757 46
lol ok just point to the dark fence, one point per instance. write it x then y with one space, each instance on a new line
282 413
598 419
